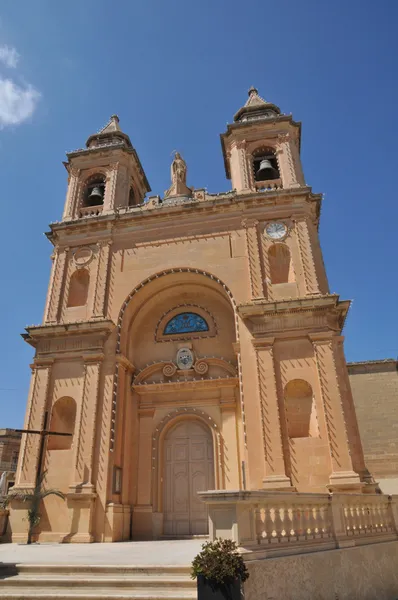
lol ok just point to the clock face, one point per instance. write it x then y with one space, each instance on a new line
275 230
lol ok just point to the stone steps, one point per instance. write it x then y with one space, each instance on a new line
104 582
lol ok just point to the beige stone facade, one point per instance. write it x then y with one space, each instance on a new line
188 343
375 390
9 452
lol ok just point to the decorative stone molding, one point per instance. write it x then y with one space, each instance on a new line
317 312
158 434
253 253
134 292
342 470
306 255
275 475
168 369
181 308
56 284
101 278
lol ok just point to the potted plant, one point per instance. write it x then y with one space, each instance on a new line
219 570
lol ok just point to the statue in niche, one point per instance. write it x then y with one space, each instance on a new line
178 178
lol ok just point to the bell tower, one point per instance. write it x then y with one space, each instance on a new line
294 324
105 176
262 148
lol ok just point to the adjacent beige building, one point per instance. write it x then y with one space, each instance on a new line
375 390
189 342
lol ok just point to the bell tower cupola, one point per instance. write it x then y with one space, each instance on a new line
105 175
262 148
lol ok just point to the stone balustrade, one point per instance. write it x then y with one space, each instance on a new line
90 211
281 523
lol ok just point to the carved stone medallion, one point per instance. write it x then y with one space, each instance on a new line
184 358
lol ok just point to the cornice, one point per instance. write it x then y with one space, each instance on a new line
68 329
323 314
222 207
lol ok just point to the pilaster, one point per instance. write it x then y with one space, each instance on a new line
307 258
110 188
275 471
72 194
231 466
342 475
253 253
38 393
101 279
56 283
287 166
87 423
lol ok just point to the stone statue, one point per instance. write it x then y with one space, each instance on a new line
178 178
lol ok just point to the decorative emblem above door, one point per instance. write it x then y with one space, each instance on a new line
184 358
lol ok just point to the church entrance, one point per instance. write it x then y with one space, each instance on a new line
188 469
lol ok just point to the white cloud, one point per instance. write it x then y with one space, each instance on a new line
17 103
9 56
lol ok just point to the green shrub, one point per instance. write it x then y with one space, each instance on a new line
219 562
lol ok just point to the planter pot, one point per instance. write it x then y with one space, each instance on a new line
208 590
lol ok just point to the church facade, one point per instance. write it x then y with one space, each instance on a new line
189 342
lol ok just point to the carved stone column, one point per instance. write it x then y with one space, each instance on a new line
86 425
265 244
275 471
142 519
253 253
306 255
231 466
354 438
72 194
110 187
287 166
30 445
342 475
55 288
101 279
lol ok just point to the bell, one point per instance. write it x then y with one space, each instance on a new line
266 171
95 196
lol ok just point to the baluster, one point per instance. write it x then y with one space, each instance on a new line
312 521
302 532
279 523
367 519
260 533
269 525
349 521
296 522
384 516
377 517
289 520
306 518
318 521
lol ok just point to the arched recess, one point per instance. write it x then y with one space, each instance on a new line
300 410
63 417
78 288
280 264
148 289
169 422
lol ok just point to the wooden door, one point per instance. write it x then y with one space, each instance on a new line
188 469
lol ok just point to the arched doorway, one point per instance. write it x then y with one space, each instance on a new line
188 468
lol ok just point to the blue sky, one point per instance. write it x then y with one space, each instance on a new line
176 72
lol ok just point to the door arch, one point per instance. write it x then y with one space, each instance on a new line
188 468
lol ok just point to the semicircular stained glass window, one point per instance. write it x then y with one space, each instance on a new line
187 322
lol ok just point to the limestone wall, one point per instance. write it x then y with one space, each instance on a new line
361 573
375 389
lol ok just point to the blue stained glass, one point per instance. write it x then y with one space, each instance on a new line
186 323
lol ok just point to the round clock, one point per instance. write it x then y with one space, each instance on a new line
275 230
